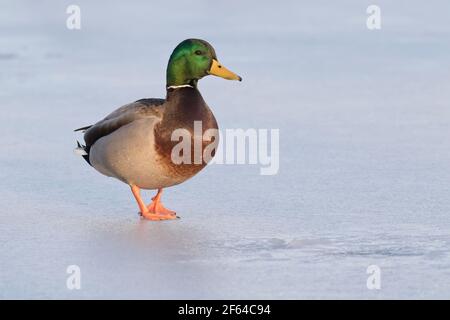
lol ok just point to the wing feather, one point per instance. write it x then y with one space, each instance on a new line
124 115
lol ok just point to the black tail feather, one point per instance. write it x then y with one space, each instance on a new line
86 156
83 128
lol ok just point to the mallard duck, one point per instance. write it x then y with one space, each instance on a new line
134 143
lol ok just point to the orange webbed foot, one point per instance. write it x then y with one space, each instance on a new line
156 208
155 211
157 217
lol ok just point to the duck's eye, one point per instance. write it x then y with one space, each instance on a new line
198 52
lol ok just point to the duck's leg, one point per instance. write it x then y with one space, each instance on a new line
157 207
145 212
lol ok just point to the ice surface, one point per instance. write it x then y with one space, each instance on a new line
364 160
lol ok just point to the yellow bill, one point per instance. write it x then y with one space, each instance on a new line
219 70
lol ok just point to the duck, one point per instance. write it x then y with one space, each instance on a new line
135 143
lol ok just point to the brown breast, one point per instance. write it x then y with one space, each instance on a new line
185 109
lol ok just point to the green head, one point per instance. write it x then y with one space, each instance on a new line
193 59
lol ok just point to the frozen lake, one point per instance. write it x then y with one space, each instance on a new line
364 177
